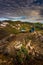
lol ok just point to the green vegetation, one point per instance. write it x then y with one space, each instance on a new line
20 56
16 27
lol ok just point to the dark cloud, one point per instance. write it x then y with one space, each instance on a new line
15 8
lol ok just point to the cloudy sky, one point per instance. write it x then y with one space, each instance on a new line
24 10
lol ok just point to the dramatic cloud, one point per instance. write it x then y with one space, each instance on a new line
22 9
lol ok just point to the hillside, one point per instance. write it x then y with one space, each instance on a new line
21 43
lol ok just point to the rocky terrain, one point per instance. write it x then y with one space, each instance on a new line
21 43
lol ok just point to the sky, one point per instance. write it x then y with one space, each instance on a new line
24 10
